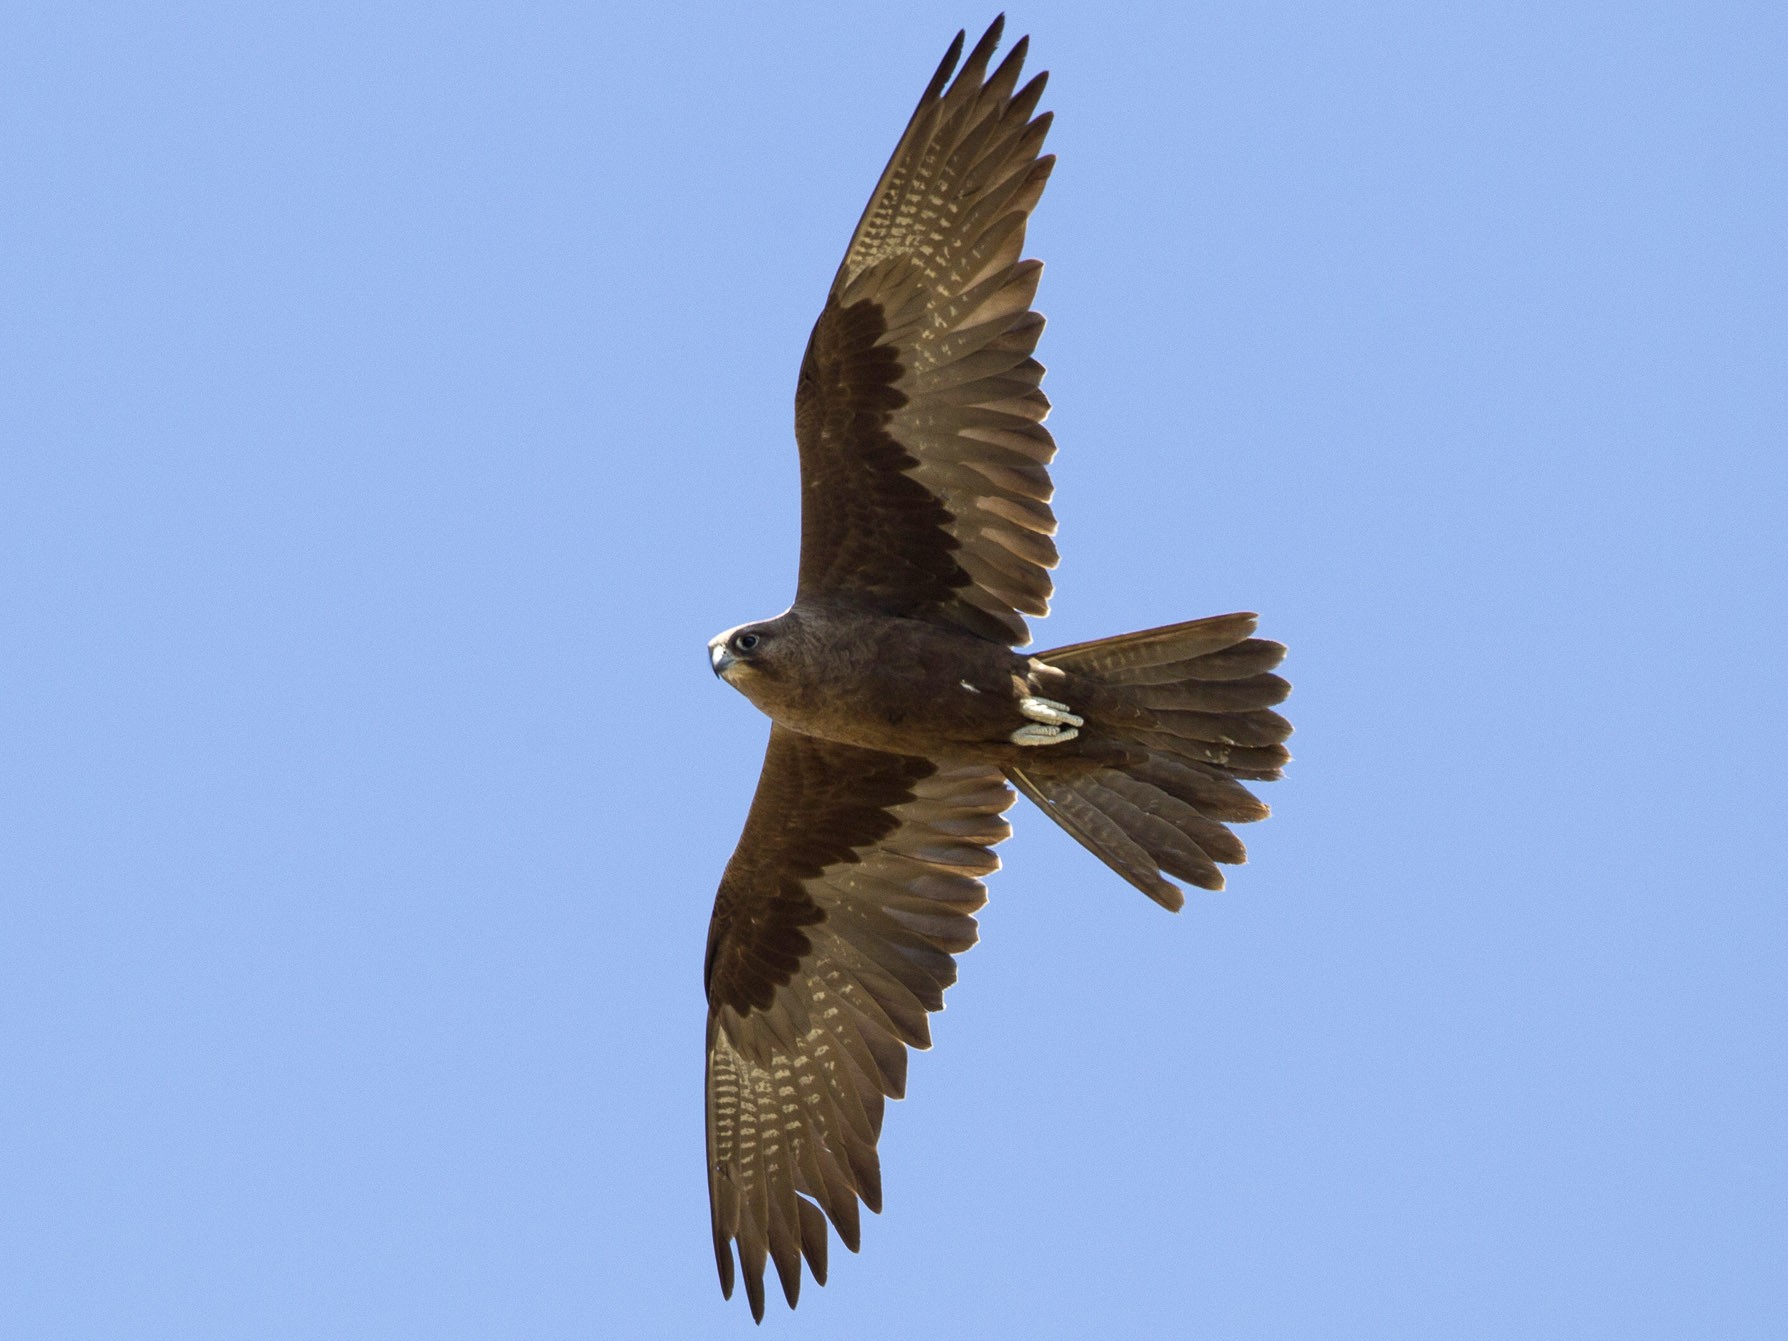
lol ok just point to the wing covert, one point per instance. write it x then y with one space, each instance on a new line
855 881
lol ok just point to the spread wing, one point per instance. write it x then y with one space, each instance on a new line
854 883
924 481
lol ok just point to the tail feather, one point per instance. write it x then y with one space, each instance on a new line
1120 657
1259 726
1251 691
1188 845
1208 790
1256 763
1100 833
1248 657
1176 718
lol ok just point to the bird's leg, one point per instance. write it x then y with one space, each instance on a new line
1051 723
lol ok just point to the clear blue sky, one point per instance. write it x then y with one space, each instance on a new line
397 397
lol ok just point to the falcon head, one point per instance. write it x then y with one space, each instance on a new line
740 652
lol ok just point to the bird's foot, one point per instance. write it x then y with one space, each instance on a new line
1041 733
1051 723
1048 710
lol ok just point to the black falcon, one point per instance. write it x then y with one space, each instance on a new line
900 711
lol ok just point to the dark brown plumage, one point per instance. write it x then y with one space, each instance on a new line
901 711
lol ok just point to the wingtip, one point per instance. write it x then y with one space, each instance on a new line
984 49
1013 61
723 1259
791 1286
754 1295
1167 894
945 68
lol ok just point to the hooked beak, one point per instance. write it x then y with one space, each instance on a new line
719 658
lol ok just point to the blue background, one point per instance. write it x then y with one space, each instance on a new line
397 397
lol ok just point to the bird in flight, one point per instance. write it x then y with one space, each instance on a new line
901 715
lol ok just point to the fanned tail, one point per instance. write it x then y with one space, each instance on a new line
1177 718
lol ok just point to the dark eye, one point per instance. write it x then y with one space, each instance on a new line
746 642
